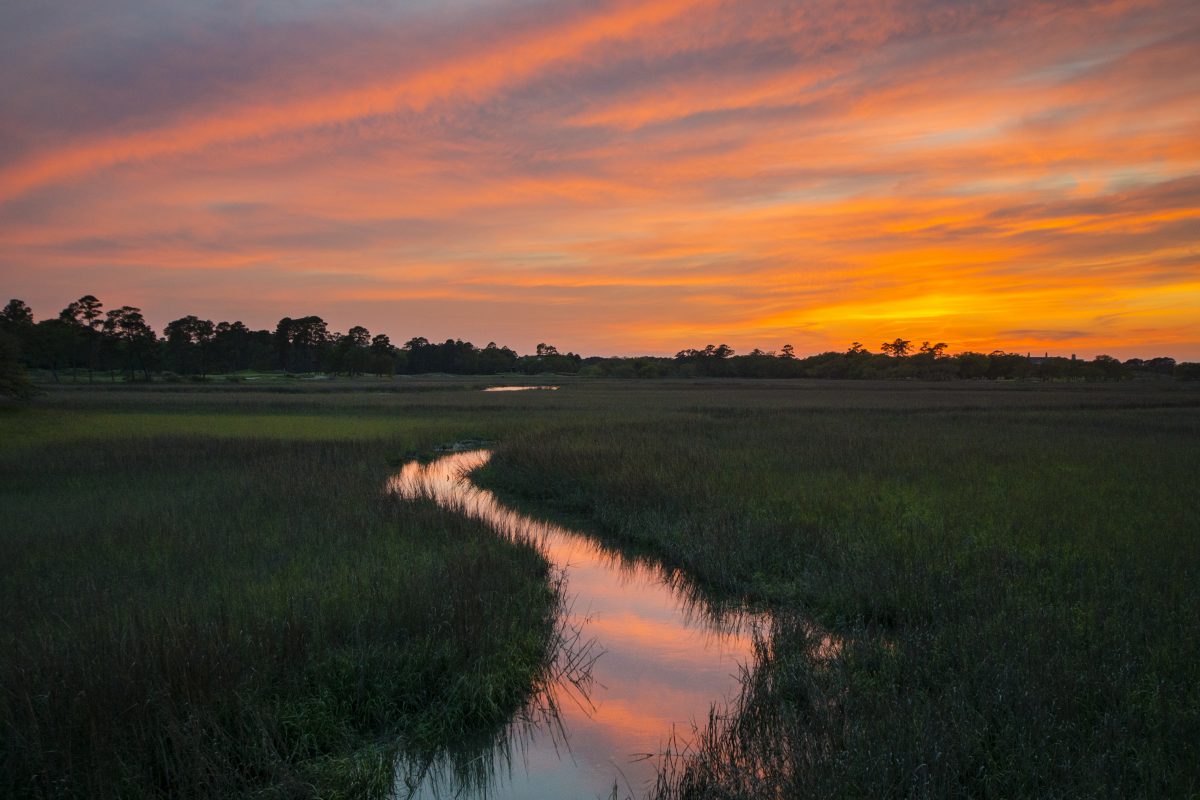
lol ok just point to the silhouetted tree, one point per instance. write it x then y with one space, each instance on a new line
419 354
933 350
282 341
189 340
13 381
353 352
86 311
85 318
130 338
1163 364
547 360
299 342
709 361
51 344
897 348
493 359
16 319
1109 368
16 316
383 355
1002 365
972 365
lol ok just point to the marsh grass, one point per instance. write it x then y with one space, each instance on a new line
193 616
206 593
1018 591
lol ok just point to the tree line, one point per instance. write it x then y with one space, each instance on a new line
87 339
119 342
900 359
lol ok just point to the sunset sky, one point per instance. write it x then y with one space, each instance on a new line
615 177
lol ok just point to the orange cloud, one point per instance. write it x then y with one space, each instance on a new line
643 177
467 77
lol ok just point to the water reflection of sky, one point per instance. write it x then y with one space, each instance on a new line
521 389
664 662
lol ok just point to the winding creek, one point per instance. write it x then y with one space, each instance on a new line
661 659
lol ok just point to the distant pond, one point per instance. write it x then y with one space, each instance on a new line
661 659
521 389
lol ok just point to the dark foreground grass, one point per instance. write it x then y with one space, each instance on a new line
206 594
188 616
1019 592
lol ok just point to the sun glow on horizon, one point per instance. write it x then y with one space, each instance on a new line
617 177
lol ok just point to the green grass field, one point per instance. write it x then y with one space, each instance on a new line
206 594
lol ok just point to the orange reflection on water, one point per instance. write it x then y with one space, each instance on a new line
664 660
521 388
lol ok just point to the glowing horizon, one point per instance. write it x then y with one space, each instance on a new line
616 177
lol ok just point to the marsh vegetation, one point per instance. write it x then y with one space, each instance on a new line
1016 590
207 594
192 615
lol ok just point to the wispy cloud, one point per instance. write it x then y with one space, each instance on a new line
617 175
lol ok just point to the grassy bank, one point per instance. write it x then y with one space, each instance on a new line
1018 590
223 603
